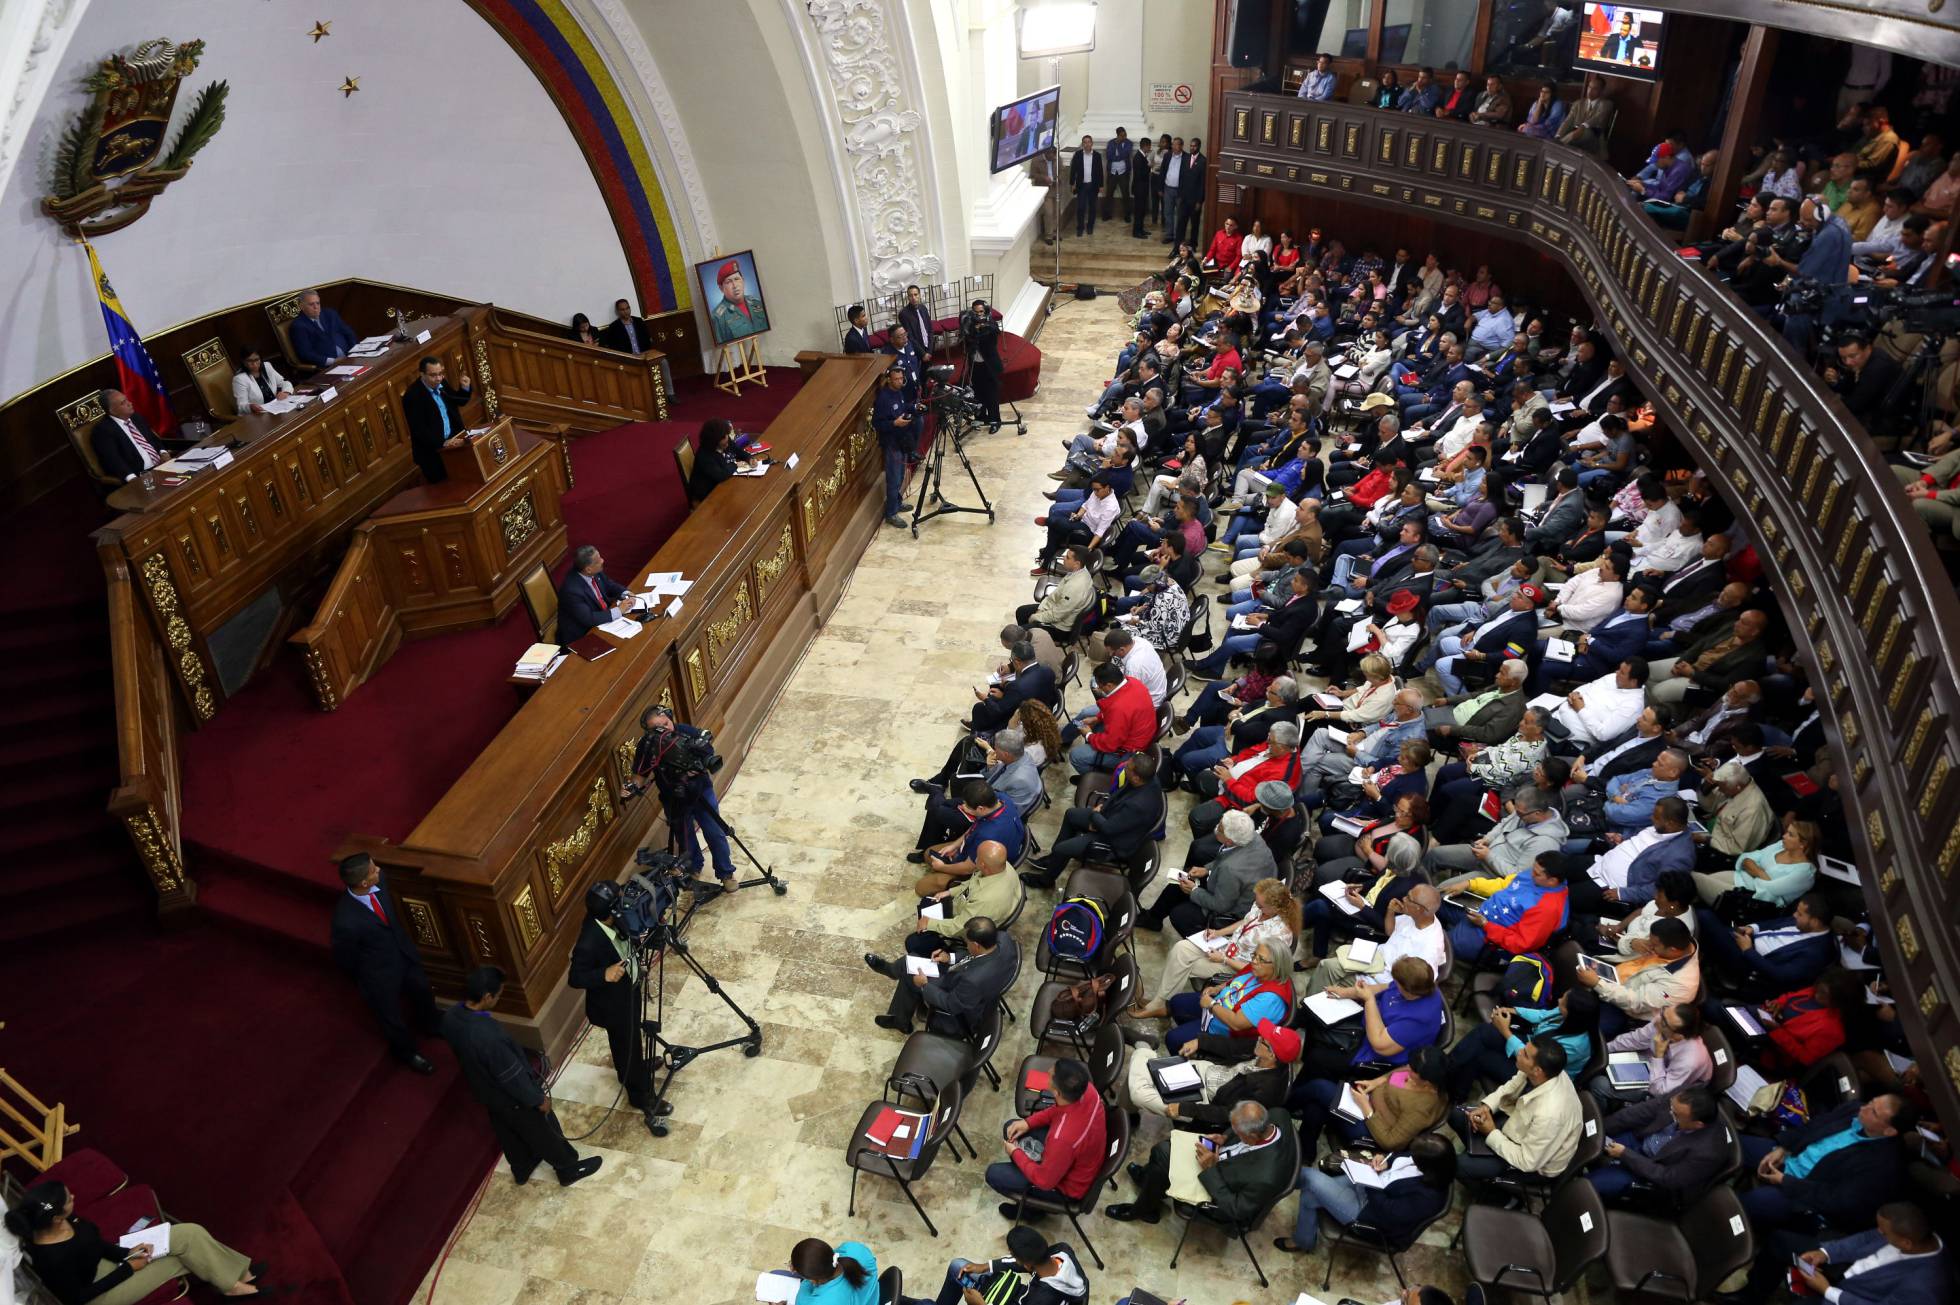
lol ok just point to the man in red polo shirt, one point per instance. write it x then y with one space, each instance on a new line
1125 717
1223 252
1067 1140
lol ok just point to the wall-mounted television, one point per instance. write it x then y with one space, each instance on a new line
1620 41
1024 128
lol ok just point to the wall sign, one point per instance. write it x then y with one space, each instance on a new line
1170 97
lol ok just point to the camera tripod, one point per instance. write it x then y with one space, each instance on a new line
688 808
661 1059
956 425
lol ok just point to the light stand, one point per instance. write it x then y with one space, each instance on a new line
954 423
661 1058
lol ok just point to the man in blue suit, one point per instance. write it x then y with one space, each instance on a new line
1487 646
1617 638
318 335
1900 1262
586 597
1661 846
1775 956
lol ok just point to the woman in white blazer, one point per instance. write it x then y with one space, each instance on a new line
256 385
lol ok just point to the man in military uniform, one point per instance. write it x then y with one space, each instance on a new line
739 314
500 1077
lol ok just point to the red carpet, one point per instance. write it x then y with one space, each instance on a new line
233 1071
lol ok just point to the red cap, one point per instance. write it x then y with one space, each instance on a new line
1533 592
1405 600
726 270
1285 1042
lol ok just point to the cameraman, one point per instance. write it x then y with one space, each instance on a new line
893 418
684 794
1827 261
981 335
603 966
1864 379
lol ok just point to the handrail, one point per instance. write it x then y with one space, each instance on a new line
638 391
1873 615
147 796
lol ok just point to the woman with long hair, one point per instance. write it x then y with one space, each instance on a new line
847 1275
77 1263
1274 916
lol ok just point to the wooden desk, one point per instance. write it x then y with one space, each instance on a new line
496 873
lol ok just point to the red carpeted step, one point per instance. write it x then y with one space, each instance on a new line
288 911
90 708
54 923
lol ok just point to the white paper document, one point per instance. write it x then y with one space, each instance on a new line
156 1237
922 965
935 911
776 1288
1362 951
1336 734
1217 944
759 469
1332 1010
1349 1106
1364 1175
624 628
1564 650
1747 1084
1336 893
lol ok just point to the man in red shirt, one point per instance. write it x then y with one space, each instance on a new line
1053 1154
1223 252
1125 714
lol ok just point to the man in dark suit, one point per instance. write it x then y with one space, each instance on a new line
502 1080
1191 193
857 339
625 332
1771 957
605 969
1123 818
587 596
980 335
124 443
318 335
435 418
1830 1172
957 1000
1085 177
1693 1145
1614 640
1901 1261
1632 751
916 318
1695 584
371 945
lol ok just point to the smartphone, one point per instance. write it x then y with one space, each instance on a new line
1207 1144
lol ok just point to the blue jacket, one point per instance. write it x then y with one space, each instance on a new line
579 609
1676 853
1922 1280
1002 825
1421 100
1642 791
1514 636
886 409
1796 964
1611 642
318 343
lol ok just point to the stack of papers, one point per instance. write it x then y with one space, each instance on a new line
1243 622
1547 701
193 460
1564 650
346 369
623 628
776 1288
539 661
1331 1010
1203 943
291 403
759 469
1349 825
922 965
1349 1106
1362 951
1329 701
1364 1175
1747 1084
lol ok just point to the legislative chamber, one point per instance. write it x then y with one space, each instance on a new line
497 576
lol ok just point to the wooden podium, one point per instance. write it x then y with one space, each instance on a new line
440 557
486 453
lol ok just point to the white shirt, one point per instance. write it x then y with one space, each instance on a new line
1878 1259
1670 554
1254 244
1398 637
1657 526
1280 520
245 390
1143 664
1598 765
1174 171
136 442
1407 940
1722 713
1459 437
1587 600
1609 869
1609 711
1097 513
1138 436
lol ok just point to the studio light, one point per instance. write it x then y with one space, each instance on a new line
1051 30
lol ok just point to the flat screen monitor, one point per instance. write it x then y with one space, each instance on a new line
1024 128
1620 41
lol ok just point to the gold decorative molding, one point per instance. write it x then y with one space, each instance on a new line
1908 939
316 669
723 633
526 910
483 378
770 569
166 603
480 940
519 522
568 851
160 859
697 682
423 924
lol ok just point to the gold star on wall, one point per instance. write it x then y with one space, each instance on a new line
348 87
321 28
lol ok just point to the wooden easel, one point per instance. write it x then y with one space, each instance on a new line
738 363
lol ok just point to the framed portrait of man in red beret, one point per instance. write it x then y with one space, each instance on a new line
733 293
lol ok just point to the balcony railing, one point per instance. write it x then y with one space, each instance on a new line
1869 605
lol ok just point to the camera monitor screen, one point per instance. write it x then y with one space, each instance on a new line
1025 127
1620 41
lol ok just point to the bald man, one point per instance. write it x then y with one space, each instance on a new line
988 891
1413 930
1712 663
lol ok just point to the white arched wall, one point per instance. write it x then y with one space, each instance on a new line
449 169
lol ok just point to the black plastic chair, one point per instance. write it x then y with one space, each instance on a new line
1679 1259
1539 1254
1105 1059
1211 1214
1072 1040
891 1286
864 1159
1367 1237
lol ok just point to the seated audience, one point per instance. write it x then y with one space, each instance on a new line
76 1262
1035 1272
1675 1144
1240 1171
1068 1138
1528 1126
1395 1211
957 999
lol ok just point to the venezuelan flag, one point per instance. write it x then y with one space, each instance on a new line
138 374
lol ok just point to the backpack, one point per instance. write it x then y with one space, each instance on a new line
1075 930
1528 981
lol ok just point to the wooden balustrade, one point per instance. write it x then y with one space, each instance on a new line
1873 614
147 797
549 378
355 630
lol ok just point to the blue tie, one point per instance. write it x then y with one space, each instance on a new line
443 408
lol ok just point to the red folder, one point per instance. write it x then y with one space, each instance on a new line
880 1132
1038 1080
1800 784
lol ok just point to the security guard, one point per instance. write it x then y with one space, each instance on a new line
501 1078
893 418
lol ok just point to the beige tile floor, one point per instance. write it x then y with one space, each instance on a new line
755 1159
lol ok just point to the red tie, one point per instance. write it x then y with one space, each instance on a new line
136 437
597 592
374 904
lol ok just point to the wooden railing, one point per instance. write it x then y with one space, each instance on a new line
147 797
1869 605
355 629
552 379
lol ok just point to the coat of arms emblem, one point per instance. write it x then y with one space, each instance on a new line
111 161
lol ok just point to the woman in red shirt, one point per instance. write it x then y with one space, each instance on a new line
1810 1021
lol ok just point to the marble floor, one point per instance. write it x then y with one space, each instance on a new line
755 1159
